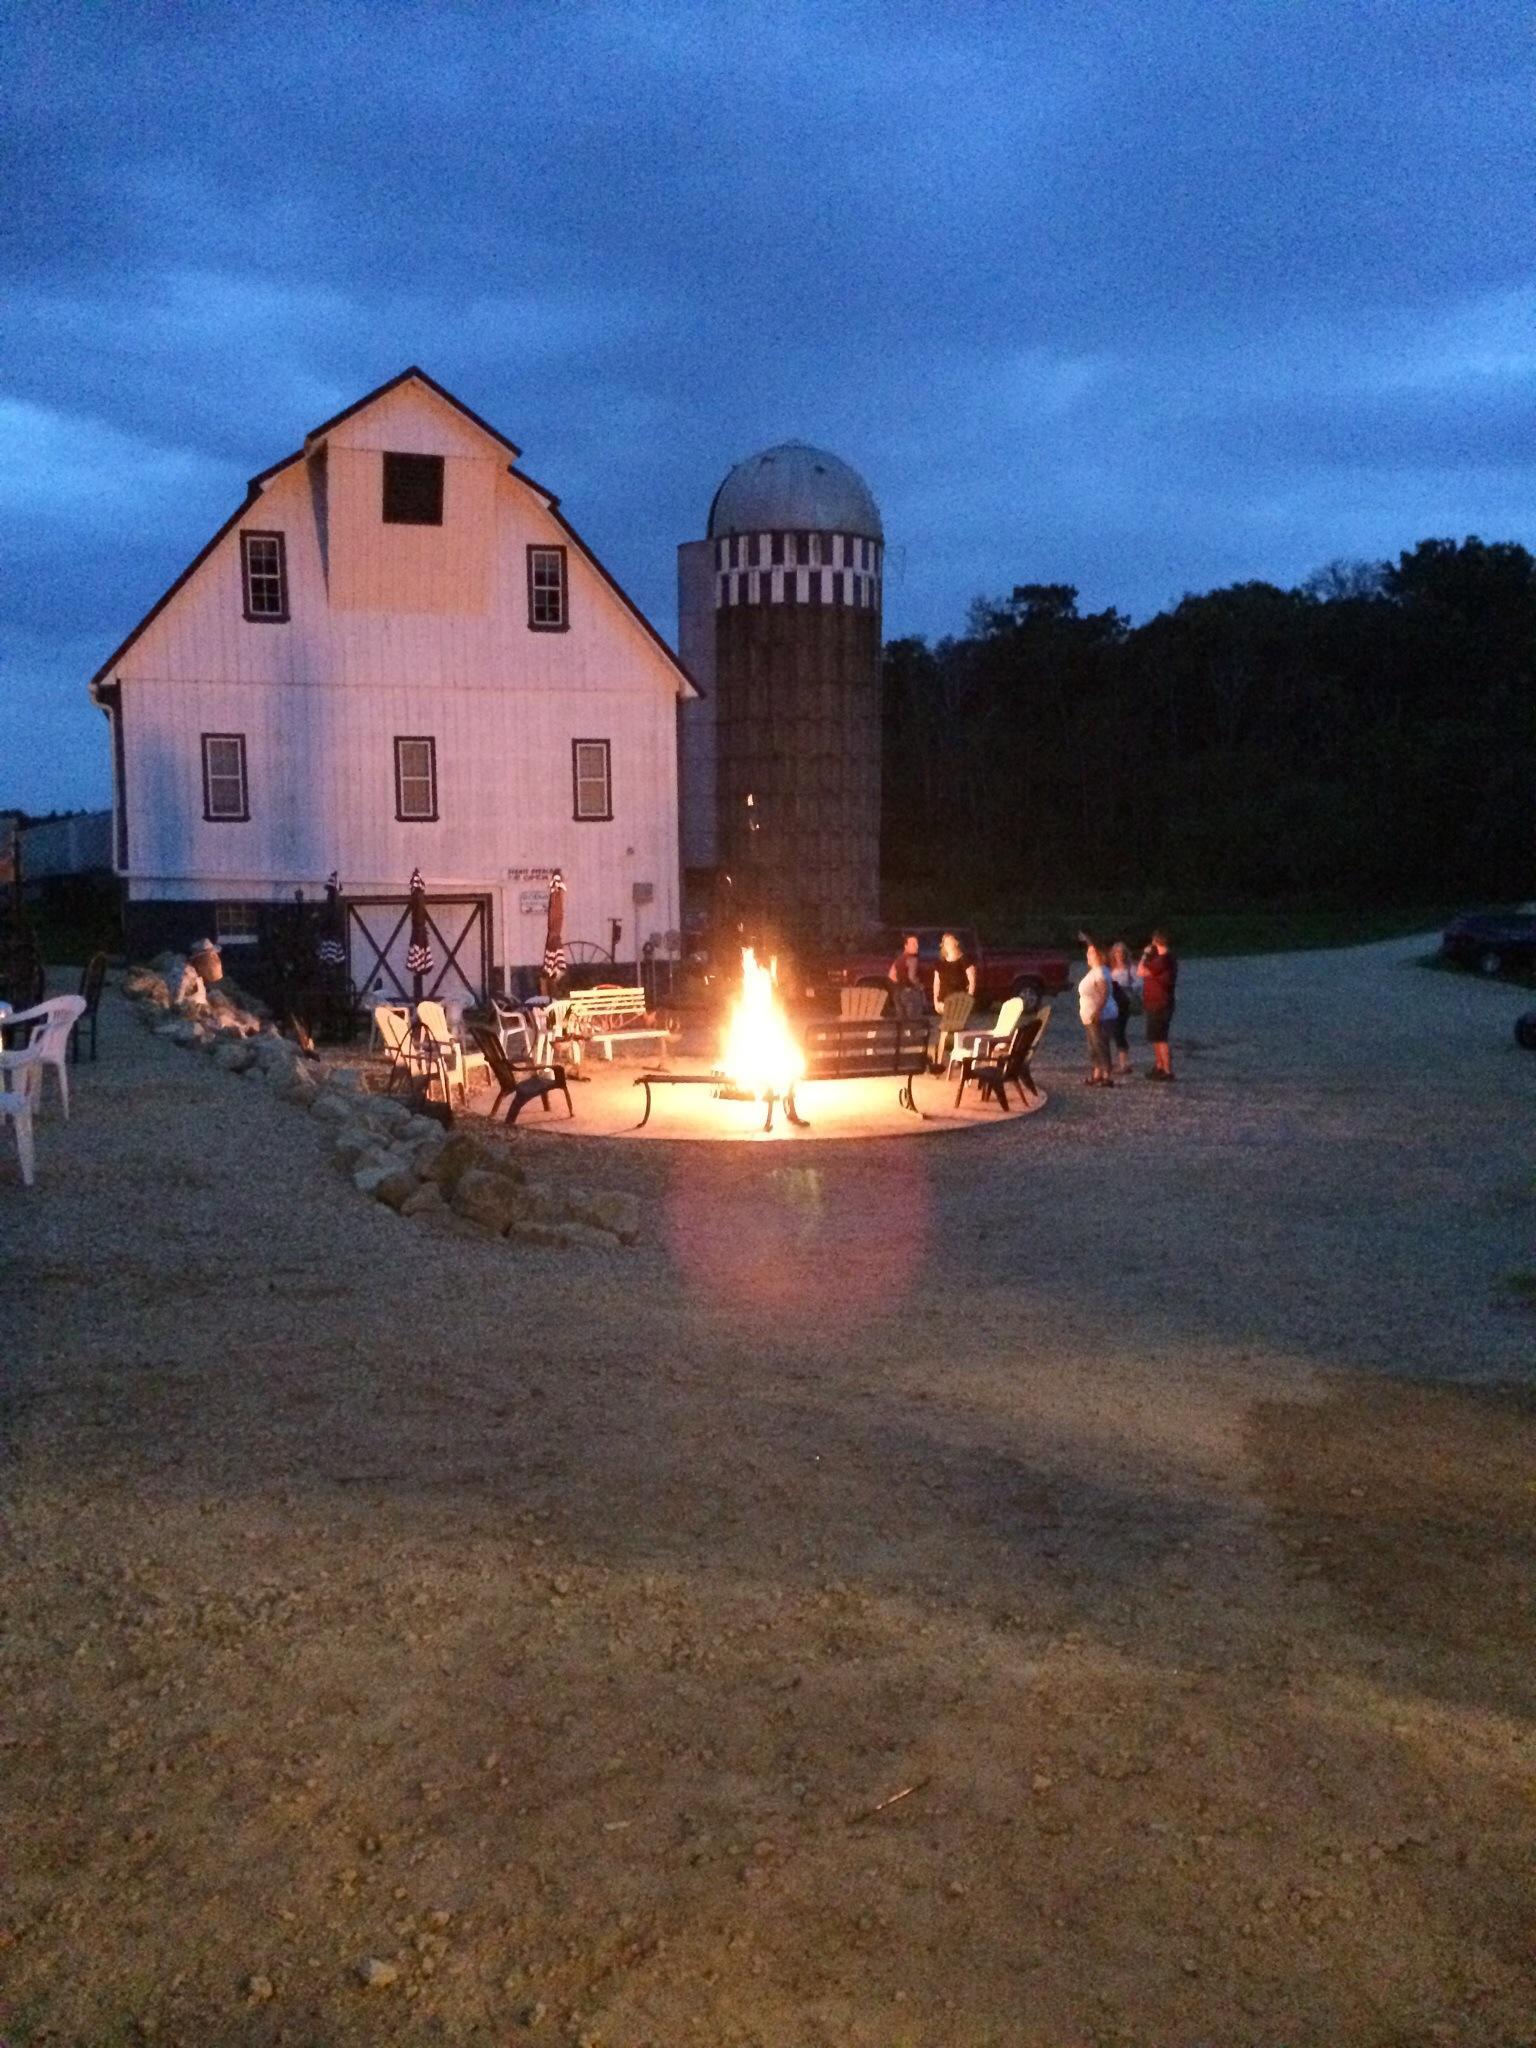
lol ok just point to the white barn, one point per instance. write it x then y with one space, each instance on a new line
395 655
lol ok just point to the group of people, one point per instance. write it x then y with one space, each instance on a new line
954 974
1110 994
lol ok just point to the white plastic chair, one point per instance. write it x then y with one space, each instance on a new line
49 1025
23 1072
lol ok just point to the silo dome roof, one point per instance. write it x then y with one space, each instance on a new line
794 486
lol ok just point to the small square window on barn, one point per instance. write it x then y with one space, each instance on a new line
225 796
416 780
547 606
413 490
592 777
264 577
234 924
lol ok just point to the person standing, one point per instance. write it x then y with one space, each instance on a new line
1096 1007
955 973
1159 978
1123 976
905 974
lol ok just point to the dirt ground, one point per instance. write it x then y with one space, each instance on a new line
1070 1583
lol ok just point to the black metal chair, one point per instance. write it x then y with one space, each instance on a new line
92 980
523 1080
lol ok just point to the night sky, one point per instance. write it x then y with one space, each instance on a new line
1144 300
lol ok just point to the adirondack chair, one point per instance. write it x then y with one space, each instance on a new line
49 1026
522 1079
435 1038
861 1005
1006 1064
978 1044
21 1074
954 1016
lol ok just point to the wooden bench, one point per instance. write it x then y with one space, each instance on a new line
599 1016
872 1048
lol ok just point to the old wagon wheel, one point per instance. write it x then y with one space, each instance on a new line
582 953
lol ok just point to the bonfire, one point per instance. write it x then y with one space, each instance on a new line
761 1056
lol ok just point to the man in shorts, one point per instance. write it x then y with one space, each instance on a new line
1159 973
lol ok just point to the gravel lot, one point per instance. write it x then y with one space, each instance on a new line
1065 1584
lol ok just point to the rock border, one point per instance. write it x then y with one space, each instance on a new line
404 1161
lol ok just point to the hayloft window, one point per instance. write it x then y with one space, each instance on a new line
547 609
592 775
413 490
264 570
225 796
416 780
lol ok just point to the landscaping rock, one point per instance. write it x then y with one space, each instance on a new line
348 1078
234 1058
377 1975
331 1109
389 1182
564 1236
425 1200
458 1155
610 1209
294 1083
489 1199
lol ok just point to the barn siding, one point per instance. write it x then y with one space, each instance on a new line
403 630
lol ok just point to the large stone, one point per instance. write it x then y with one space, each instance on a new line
564 1236
187 1034
331 1109
426 1200
188 987
610 1209
294 1084
489 1199
352 1143
388 1182
460 1154
538 1202
385 1111
233 1057
348 1078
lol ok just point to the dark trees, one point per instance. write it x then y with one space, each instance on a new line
1368 737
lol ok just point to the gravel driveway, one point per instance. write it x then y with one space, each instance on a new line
1066 1584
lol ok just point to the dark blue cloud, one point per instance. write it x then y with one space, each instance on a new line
1138 302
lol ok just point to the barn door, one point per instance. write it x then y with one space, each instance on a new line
459 928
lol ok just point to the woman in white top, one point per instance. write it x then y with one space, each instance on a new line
1097 1008
1123 976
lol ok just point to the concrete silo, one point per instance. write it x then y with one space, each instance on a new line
779 622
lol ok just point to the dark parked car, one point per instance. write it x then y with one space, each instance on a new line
1492 941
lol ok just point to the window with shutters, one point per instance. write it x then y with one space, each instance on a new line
225 796
546 590
264 574
592 775
413 490
416 779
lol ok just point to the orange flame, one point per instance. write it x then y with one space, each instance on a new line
761 1054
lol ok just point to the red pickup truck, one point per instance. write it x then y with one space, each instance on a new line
1036 970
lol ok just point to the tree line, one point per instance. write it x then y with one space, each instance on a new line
1368 737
